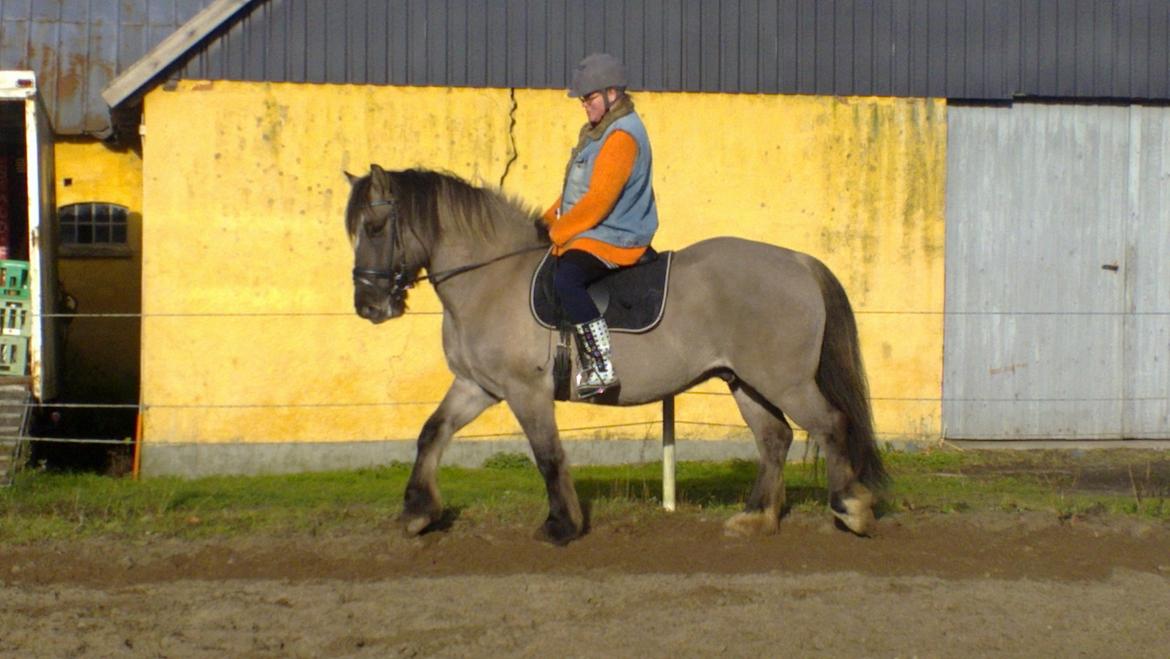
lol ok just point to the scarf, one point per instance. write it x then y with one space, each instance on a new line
592 133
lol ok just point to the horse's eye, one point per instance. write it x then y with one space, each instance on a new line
375 229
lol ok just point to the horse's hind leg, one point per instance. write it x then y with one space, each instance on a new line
536 415
422 506
850 501
773 435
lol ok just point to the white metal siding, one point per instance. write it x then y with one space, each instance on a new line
1148 270
1057 298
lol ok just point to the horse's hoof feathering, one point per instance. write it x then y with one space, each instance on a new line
855 509
748 524
415 525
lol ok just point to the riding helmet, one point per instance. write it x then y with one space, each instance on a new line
597 71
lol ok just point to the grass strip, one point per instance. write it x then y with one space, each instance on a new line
508 489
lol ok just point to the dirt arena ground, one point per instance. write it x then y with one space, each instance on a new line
926 584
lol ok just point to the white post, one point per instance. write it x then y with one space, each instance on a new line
668 453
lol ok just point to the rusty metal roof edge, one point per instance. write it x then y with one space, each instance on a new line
133 80
17 84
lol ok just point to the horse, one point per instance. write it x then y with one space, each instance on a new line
773 323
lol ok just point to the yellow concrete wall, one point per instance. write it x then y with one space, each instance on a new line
102 353
249 332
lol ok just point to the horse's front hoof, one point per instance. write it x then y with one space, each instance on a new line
748 524
415 524
558 532
854 510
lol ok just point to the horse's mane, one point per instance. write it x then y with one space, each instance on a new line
432 202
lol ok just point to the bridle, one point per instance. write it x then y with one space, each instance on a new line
396 275
400 282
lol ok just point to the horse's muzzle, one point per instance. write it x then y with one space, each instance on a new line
379 312
373 314
379 296
374 307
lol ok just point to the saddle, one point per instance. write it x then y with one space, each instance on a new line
631 300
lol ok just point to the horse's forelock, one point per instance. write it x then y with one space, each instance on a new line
415 191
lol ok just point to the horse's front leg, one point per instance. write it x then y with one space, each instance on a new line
422 505
536 416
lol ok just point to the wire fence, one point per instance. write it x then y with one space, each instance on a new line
646 426
932 400
350 314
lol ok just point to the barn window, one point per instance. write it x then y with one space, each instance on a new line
93 229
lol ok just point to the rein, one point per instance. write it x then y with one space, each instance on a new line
443 275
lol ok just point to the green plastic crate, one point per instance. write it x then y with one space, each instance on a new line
13 355
14 279
14 316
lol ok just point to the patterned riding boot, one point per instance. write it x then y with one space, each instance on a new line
596 374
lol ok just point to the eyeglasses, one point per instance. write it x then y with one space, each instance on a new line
586 99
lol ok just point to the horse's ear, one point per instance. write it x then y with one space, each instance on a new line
351 177
379 179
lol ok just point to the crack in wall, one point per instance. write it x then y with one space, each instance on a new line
512 154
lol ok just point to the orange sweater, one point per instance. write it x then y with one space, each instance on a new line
611 170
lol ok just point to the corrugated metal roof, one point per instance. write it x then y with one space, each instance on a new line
960 49
76 47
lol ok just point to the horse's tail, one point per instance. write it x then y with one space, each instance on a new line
841 378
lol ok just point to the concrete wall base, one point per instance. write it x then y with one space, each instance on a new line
1058 444
204 459
194 460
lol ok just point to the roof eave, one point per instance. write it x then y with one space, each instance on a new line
135 80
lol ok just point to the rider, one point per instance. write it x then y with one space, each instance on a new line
606 215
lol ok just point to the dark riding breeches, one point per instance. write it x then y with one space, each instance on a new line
576 271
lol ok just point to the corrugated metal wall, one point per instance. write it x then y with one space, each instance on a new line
1147 271
967 49
77 47
1057 301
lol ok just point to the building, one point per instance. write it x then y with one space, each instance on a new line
986 176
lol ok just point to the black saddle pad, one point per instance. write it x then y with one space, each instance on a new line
631 299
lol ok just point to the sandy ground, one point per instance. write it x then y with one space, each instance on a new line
927 584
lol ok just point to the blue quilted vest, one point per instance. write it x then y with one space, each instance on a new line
634 218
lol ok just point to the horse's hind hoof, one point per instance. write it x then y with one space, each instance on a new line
855 510
557 532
